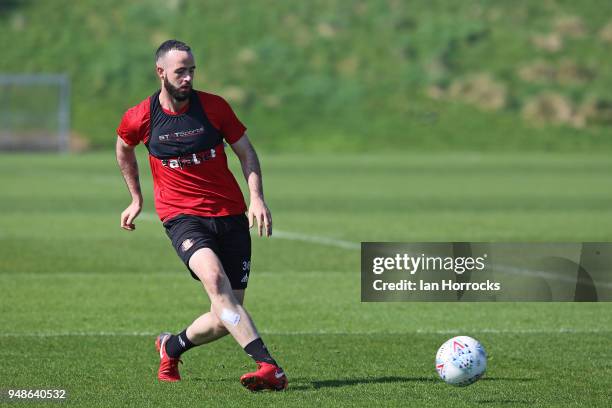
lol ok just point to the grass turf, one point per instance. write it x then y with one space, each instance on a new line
82 300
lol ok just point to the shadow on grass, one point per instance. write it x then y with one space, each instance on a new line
302 384
315 385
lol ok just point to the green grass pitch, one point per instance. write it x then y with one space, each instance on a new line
81 300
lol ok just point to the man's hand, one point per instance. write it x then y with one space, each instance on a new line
129 214
252 173
259 210
126 158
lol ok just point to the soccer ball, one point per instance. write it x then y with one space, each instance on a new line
461 361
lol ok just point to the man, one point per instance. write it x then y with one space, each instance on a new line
201 206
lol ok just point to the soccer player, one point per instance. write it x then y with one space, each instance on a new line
201 206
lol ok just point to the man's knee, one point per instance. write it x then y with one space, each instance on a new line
207 267
219 327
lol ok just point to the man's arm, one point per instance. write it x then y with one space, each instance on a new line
126 158
252 173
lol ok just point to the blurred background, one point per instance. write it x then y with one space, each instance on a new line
376 120
354 76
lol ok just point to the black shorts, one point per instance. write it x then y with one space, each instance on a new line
228 237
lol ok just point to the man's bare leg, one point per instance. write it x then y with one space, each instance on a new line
208 327
226 312
226 316
225 306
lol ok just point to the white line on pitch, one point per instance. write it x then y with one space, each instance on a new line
147 216
512 270
315 239
324 332
339 243
291 236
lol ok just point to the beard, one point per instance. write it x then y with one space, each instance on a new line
176 93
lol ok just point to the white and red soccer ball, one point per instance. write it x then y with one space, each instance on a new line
461 361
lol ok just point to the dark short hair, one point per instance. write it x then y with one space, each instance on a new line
170 45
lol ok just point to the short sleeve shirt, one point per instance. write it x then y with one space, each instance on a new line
206 189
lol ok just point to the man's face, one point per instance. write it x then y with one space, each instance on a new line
176 70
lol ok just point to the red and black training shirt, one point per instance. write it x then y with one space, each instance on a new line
187 155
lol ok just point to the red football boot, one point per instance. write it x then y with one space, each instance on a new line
168 366
267 377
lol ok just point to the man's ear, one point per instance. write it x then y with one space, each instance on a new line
160 71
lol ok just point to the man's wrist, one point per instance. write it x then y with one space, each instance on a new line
137 200
257 197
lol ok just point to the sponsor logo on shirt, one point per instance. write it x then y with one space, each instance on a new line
190 160
179 135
